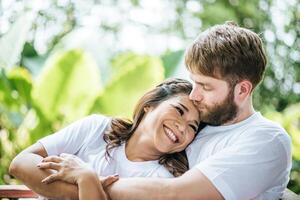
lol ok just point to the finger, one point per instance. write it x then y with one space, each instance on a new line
56 159
51 178
107 181
49 165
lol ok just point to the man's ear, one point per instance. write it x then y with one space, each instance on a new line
242 90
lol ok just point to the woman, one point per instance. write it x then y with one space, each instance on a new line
165 121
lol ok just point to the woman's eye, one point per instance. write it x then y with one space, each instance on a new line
179 110
193 127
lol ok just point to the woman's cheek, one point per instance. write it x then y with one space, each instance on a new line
191 137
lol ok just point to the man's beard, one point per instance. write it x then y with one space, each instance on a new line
220 113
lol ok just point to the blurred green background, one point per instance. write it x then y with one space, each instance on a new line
63 59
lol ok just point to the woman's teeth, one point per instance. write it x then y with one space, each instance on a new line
171 135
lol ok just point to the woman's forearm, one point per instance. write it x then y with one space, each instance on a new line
24 167
90 188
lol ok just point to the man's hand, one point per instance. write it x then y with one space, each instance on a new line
106 181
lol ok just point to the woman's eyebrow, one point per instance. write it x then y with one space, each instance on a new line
185 108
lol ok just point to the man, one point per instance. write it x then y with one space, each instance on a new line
239 155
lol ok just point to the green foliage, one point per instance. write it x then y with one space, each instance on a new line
67 86
171 61
295 177
216 14
119 96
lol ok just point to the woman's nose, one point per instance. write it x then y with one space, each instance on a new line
180 126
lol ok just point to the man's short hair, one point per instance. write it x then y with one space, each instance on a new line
228 52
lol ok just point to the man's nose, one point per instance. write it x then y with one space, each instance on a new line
195 94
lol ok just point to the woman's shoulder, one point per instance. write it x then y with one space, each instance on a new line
96 120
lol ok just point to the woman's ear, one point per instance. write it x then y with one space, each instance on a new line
146 109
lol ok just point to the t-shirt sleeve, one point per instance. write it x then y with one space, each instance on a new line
71 138
247 168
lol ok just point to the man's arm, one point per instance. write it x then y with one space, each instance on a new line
192 185
24 167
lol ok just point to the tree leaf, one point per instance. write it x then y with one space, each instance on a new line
136 75
171 61
67 86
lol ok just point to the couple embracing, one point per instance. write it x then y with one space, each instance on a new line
185 141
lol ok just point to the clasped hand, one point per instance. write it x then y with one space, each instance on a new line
71 169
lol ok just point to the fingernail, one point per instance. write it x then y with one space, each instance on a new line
38 165
116 175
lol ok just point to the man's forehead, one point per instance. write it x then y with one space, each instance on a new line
206 80
198 77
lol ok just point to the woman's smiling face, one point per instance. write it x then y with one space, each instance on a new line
173 123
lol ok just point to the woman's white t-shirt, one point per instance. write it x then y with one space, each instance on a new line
84 138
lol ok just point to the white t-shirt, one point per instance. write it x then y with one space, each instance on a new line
84 138
247 160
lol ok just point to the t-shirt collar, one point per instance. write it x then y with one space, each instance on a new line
215 129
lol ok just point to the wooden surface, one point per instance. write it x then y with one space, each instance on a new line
21 191
16 191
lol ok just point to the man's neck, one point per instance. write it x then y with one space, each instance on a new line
242 114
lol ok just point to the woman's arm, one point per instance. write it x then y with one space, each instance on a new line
24 167
72 170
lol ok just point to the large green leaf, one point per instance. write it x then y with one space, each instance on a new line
291 123
13 41
67 86
15 88
5 89
20 79
133 77
171 61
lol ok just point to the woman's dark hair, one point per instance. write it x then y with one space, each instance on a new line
120 130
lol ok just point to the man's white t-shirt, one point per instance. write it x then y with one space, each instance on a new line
84 138
247 160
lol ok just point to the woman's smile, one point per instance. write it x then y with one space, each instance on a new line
171 135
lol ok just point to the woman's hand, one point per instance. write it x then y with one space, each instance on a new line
70 169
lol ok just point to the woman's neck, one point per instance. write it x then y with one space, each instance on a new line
140 147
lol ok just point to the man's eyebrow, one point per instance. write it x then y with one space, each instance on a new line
200 83
204 84
185 108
